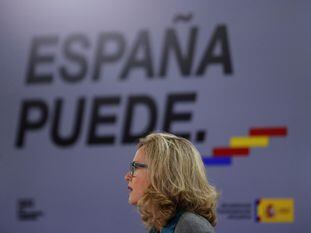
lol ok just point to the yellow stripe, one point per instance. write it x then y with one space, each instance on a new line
258 141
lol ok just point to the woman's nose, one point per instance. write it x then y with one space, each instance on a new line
127 176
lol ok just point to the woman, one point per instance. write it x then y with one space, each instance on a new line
167 183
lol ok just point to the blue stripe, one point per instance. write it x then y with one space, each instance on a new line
212 161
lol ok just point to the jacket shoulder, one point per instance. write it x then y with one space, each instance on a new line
193 223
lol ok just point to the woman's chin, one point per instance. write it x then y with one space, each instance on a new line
132 201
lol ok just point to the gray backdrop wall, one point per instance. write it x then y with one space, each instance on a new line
82 80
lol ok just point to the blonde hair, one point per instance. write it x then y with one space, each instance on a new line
177 181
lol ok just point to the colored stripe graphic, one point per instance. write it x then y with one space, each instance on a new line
249 141
269 131
217 161
227 151
240 146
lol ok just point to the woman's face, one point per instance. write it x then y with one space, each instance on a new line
139 182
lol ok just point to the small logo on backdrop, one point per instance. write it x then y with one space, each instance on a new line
26 210
240 146
275 210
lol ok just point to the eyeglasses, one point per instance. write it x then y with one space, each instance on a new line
135 165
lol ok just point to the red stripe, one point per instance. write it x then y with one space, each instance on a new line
271 131
224 151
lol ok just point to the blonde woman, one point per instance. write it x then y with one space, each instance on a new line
168 184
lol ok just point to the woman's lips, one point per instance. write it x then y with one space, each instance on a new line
129 188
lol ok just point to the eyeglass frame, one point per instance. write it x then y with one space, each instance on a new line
134 165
